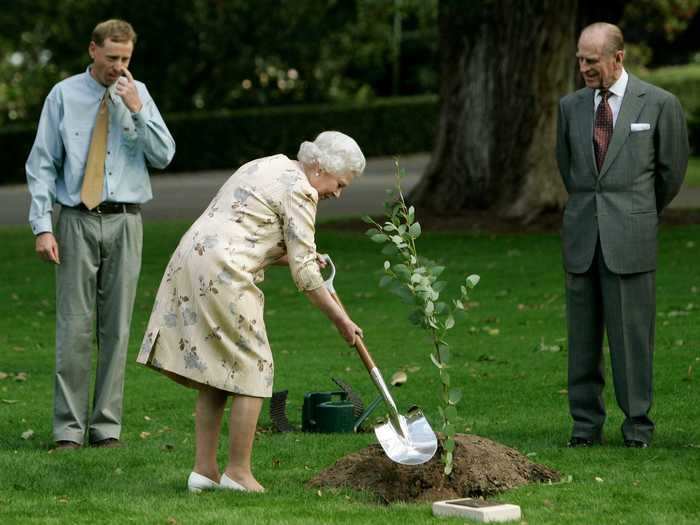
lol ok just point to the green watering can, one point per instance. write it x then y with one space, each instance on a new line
327 412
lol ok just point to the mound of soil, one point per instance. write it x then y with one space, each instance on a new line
481 468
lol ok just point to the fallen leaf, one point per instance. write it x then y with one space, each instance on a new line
147 418
3 375
413 369
172 521
118 471
599 480
319 493
62 499
28 434
144 435
493 331
9 401
21 376
690 244
563 391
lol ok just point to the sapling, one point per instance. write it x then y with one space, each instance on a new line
416 280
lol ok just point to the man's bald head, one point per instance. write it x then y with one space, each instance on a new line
608 34
601 51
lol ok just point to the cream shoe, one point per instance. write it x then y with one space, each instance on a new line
228 484
197 483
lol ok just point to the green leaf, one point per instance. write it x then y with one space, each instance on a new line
435 361
379 237
473 280
448 465
437 270
389 227
455 395
429 308
367 219
459 305
444 353
449 322
411 214
371 232
451 412
414 231
440 307
404 293
396 239
385 280
389 249
444 376
450 430
402 270
439 286
449 445
416 317
387 265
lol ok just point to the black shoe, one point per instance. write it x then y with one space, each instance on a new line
580 442
634 443
65 446
107 443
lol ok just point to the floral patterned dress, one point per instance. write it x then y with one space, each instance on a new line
207 323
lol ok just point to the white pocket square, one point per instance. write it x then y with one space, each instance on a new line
641 126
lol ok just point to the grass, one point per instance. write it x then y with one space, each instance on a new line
513 393
692 176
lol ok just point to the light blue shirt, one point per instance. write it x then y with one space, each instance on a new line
56 164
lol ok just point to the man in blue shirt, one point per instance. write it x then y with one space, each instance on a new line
97 132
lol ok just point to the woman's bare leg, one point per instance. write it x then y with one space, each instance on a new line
242 424
209 412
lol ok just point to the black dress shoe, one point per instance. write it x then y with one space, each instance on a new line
65 445
107 443
580 442
634 443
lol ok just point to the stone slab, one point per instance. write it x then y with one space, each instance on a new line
483 511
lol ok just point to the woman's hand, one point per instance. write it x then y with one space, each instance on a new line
349 330
321 260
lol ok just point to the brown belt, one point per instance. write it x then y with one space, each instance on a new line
111 207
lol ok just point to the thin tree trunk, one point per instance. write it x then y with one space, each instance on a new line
504 66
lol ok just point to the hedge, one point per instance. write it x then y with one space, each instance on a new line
226 139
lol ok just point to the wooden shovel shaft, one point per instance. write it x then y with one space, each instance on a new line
359 343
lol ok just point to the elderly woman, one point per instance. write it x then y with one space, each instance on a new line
207 330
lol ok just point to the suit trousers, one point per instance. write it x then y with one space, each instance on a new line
624 305
95 289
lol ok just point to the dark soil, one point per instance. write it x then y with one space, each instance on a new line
481 468
485 221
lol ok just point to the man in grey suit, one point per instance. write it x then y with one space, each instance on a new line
622 150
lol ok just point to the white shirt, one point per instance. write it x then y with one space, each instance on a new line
617 91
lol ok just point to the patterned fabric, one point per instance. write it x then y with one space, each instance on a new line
603 129
207 323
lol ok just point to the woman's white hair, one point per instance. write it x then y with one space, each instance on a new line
335 153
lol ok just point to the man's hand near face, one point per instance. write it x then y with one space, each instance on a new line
47 247
126 88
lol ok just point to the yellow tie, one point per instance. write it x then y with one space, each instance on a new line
93 182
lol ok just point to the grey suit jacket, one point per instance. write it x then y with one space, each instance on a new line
643 171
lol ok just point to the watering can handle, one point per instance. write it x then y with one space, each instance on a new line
359 343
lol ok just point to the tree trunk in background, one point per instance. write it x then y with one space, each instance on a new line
504 66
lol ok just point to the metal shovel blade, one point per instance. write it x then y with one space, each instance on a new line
417 446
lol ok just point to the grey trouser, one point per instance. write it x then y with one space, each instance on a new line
625 305
96 282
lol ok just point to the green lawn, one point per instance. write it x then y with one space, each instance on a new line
513 393
692 176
